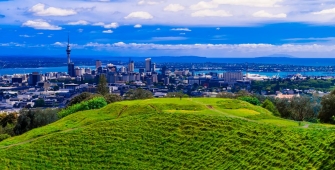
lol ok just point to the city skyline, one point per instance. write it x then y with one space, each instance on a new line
212 28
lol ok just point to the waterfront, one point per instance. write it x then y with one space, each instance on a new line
11 71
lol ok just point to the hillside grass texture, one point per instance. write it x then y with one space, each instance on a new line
195 133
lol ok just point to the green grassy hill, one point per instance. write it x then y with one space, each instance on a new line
173 134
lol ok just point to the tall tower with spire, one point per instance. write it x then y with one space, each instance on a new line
68 49
70 65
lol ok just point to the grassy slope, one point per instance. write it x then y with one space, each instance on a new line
174 134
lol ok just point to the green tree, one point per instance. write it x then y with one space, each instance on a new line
327 112
39 103
302 109
79 98
270 107
138 94
102 86
284 108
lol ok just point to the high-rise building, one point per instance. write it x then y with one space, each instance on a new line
70 70
34 78
154 77
98 64
131 67
153 67
148 65
122 69
232 77
164 69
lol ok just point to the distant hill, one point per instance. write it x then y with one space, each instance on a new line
195 133
278 56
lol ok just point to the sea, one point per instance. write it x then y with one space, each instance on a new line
261 60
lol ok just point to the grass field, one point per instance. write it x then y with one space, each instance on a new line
197 133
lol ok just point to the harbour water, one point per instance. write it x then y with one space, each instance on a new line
11 71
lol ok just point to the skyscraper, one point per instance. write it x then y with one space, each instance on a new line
98 64
131 67
153 67
148 65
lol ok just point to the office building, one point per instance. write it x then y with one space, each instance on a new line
122 69
154 77
232 77
153 67
70 70
98 64
131 67
34 78
148 65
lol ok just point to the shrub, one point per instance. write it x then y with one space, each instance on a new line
111 98
95 103
249 99
138 94
4 136
270 107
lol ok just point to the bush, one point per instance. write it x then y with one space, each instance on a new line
138 94
4 136
95 103
270 107
111 98
249 99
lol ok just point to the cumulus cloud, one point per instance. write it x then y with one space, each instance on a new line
144 2
40 10
174 8
325 11
180 29
99 24
80 22
40 25
107 31
210 13
111 25
138 26
204 5
256 3
139 15
264 14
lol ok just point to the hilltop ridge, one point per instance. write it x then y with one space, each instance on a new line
172 134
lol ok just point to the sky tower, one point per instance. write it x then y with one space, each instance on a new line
68 49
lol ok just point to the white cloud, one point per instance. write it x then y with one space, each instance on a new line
174 8
203 5
138 26
210 13
40 33
80 22
40 25
99 24
218 28
107 31
256 3
26 36
325 11
111 25
40 10
80 30
58 44
139 15
143 2
168 38
264 14
180 29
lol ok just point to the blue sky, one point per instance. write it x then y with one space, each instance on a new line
210 28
